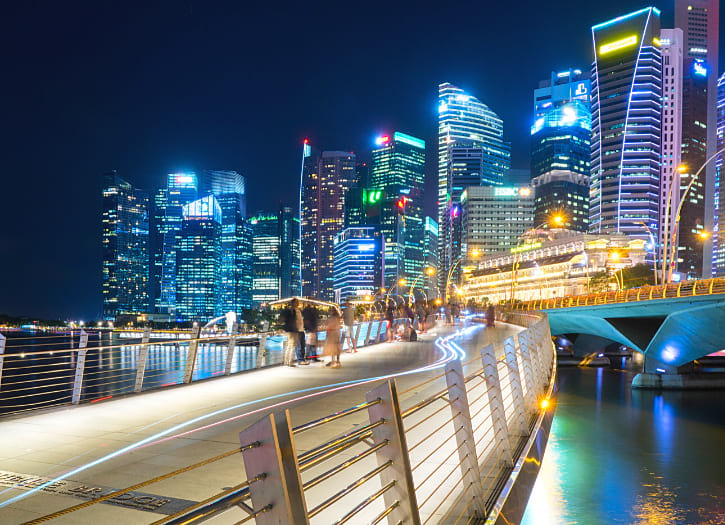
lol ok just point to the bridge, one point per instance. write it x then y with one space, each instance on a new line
671 325
449 429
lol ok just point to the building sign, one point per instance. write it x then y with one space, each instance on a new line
618 44
511 191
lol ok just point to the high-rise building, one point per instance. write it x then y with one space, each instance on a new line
626 133
398 170
125 248
700 23
430 243
324 182
219 182
199 261
560 155
358 263
157 230
289 249
720 230
470 148
672 46
494 218
236 254
266 258
562 87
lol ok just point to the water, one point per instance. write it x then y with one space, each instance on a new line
617 455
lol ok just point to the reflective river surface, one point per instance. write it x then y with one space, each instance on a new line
617 455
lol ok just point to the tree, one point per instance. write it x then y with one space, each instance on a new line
638 275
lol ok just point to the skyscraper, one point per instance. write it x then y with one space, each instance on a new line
266 258
560 156
398 169
720 241
561 87
626 132
289 249
125 248
357 262
324 182
199 261
430 253
235 288
699 21
470 147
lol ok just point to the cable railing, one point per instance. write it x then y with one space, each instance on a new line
445 450
644 293
87 369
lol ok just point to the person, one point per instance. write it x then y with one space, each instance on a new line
311 322
332 339
449 313
390 317
490 316
348 317
420 313
293 327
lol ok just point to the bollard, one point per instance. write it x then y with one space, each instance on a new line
80 367
143 355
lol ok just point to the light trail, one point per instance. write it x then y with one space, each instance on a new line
441 343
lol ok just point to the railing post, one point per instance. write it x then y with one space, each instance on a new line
379 335
524 341
80 367
3 339
269 456
143 355
403 491
191 354
495 403
261 350
460 409
517 396
357 334
367 333
230 349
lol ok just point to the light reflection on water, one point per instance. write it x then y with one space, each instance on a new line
630 457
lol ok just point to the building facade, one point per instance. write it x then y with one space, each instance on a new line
562 193
562 87
430 244
289 249
125 241
626 125
358 263
266 280
720 202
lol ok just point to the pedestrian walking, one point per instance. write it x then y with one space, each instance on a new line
294 328
420 313
490 316
311 321
390 317
332 339
348 317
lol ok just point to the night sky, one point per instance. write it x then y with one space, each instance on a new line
149 89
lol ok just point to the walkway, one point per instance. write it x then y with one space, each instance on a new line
175 427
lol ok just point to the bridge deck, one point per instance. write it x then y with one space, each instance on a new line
58 441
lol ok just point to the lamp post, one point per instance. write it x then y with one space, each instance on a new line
430 271
474 253
682 168
654 248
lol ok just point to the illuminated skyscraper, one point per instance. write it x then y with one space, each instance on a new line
626 133
719 269
289 249
125 248
325 180
266 258
199 261
560 88
358 264
236 273
470 148
430 253
699 21
398 169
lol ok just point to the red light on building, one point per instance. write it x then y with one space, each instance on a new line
306 141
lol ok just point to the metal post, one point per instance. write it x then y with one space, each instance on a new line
379 335
461 412
403 491
542 346
191 354
230 349
143 356
517 395
367 333
261 350
268 451
80 367
530 395
357 334
3 339
495 403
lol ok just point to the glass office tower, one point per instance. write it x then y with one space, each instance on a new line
289 249
125 248
266 258
626 136
358 264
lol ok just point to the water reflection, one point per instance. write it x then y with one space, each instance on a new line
622 456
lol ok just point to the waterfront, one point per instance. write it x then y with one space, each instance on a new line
617 455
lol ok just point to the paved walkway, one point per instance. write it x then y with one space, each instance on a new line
175 427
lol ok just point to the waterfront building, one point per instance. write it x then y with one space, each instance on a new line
471 150
157 229
430 254
266 258
199 261
493 219
289 249
699 21
562 87
324 181
558 264
236 254
358 263
125 241
626 117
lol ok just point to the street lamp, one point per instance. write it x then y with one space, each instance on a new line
654 247
474 253
429 271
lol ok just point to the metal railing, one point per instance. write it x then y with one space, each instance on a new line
444 450
643 293
36 373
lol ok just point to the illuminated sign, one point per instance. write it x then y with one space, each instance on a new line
581 89
402 137
382 140
374 196
510 191
366 247
656 41
442 107
617 44
183 179
699 68
526 247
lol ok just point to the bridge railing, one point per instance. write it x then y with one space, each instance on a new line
37 373
447 449
643 293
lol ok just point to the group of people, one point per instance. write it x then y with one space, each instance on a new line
301 327
415 321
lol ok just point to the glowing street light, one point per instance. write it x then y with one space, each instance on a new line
703 235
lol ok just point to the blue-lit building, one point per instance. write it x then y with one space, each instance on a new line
560 88
719 264
626 125
266 258
430 254
199 261
358 263
125 243
560 158
289 253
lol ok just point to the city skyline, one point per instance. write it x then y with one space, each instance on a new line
43 281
